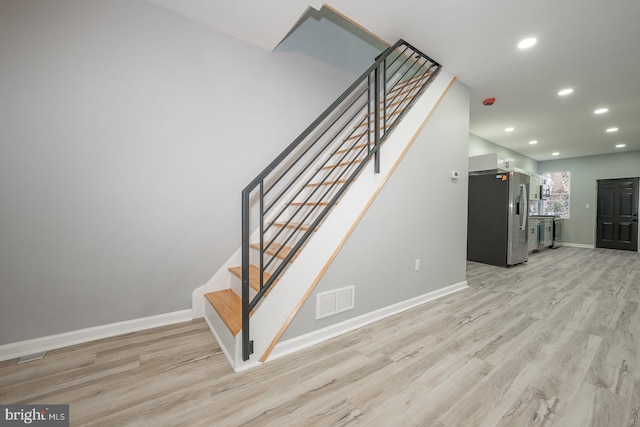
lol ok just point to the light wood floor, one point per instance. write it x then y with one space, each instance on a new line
555 342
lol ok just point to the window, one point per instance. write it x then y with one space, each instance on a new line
556 188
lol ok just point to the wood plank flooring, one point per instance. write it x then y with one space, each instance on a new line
554 342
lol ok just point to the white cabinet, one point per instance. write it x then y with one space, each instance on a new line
533 234
540 233
534 187
547 230
492 161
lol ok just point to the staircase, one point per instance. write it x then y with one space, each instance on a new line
289 202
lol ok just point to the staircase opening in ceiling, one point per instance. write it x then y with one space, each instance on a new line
333 39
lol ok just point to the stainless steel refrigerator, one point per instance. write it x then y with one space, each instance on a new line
497 218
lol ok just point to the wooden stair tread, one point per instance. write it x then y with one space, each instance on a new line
399 93
341 164
360 135
294 225
354 148
394 113
403 83
408 87
403 91
274 249
254 276
414 83
228 305
317 184
309 203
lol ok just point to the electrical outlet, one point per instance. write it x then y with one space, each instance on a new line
417 265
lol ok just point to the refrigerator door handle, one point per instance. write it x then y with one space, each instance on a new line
524 206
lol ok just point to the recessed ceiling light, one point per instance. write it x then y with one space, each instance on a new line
555 154
509 129
601 111
612 130
621 145
533 141
565 92
527 43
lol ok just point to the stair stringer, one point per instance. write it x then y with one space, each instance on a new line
274 313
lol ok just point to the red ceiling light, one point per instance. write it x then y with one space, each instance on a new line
488 101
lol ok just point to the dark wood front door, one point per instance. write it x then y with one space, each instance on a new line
617 218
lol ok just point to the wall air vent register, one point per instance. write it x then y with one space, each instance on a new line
335 301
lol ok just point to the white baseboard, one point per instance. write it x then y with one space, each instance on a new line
52 342
298 343
197 302
581 245
578 245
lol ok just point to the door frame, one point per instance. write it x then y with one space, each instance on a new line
634 209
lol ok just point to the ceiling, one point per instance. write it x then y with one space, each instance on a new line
591 46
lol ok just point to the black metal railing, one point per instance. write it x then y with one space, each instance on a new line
288 201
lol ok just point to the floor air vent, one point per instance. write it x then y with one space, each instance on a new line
334 302
30 357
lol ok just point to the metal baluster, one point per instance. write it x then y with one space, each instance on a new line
246 353
376 121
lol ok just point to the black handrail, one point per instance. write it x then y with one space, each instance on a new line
352 129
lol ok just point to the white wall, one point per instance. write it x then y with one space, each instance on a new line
421 213
126 136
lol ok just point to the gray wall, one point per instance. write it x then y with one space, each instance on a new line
126 135
478 146
585 171
419 214
334 40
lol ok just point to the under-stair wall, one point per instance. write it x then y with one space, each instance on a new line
420 213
